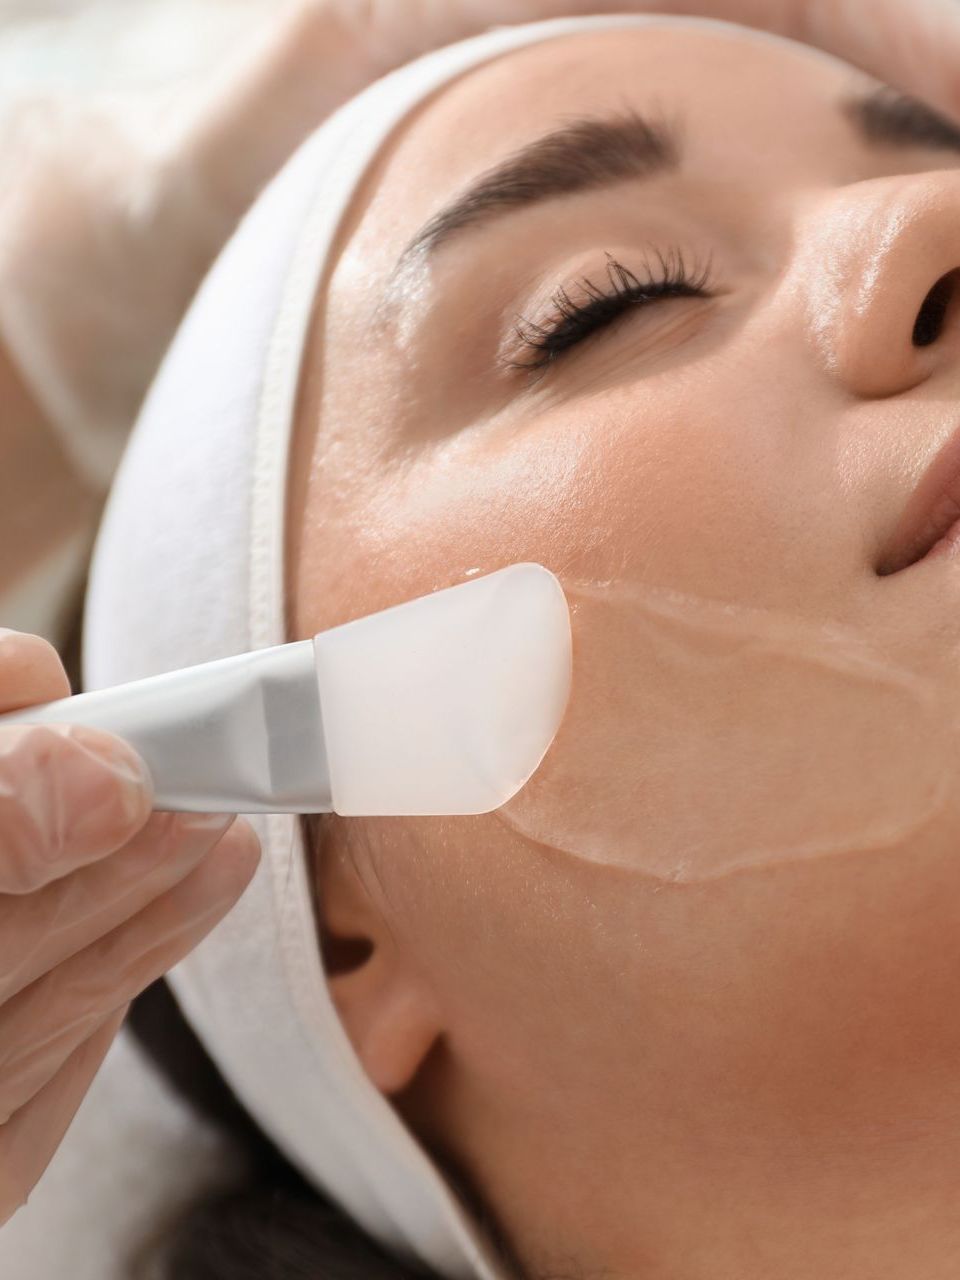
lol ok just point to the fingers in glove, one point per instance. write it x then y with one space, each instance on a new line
39 931
42 1025
68 796
30 671
29 1140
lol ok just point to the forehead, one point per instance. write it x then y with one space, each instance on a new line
737 93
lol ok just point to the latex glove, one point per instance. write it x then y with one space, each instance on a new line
97 899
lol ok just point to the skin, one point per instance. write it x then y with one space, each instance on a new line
748 1077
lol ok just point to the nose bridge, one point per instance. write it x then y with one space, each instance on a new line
869 256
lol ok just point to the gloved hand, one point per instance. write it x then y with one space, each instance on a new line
98 898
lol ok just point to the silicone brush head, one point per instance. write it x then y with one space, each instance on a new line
448 703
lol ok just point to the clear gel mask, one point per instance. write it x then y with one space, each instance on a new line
705 737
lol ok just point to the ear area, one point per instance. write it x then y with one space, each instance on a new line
388 1011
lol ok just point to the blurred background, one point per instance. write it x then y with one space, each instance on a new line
122 172
146 57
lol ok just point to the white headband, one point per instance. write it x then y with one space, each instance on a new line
189 567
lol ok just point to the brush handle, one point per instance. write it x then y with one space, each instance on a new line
237 735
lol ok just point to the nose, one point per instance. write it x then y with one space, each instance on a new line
880 273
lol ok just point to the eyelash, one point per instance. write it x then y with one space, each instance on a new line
576 320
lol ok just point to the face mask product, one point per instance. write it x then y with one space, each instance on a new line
443 705
707 737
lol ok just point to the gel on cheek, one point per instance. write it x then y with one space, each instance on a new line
704 737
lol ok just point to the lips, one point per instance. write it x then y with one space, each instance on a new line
932 508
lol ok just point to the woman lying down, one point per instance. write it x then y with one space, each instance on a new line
670 308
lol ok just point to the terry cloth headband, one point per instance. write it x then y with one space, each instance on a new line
188 567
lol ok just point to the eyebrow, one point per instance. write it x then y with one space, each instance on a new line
585 154
592 152
885 117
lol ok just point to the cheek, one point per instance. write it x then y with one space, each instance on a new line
629 483
817 1001
801 1004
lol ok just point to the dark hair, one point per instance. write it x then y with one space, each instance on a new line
274 1225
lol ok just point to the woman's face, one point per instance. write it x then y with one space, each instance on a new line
607 1055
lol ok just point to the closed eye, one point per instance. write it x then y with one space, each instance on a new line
575 318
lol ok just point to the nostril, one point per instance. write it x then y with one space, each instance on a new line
929 322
